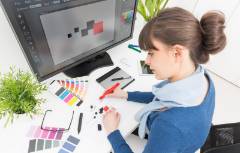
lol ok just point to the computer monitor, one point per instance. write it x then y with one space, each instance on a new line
69 35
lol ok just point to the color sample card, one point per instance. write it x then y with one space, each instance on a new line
65 94
42 144
37 132
76 86
69 145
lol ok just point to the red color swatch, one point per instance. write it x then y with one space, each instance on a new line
98 27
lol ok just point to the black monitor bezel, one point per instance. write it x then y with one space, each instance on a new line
19 36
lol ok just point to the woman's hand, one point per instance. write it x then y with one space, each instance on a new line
111 120
118 93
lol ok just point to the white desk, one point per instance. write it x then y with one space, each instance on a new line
16 133
13 138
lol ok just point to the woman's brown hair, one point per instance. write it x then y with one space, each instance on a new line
178 26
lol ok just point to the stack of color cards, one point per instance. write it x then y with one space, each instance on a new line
70 145
44 139
37 132
64 94
42 144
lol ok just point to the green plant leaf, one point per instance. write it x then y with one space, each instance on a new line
19 92
163 4
141 9
158 7
150 6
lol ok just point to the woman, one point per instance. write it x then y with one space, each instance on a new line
178 112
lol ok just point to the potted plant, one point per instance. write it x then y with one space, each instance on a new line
150 8
19 92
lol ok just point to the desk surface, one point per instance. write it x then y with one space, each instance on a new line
15 134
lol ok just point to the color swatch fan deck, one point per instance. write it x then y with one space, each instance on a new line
72 92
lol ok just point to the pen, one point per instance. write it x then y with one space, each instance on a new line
131 45
135 49
120 78
110 90
80 122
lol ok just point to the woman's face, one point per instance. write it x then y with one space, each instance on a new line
162 61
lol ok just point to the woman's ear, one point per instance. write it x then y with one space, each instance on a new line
178 52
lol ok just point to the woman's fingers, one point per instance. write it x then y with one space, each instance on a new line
114 94
113 109
118 93
111 120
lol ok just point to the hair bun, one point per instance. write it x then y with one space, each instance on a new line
214 39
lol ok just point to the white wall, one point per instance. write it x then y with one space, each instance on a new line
226 62
186 4
10 51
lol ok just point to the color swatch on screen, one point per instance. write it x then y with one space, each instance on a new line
65 94
37 132
127 16
97 28
69 145
42 144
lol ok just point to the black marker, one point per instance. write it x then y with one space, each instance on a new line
80 122
79 103
120 78
99 127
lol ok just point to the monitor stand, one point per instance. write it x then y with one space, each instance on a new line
88 66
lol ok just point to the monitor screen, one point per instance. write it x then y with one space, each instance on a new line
56 35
